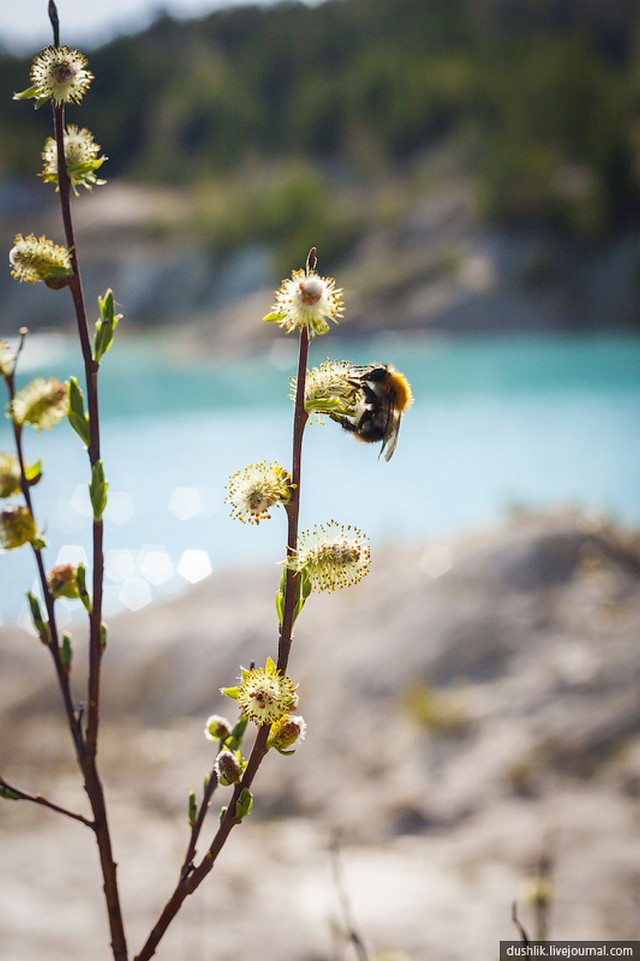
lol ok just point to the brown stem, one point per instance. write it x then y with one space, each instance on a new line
188 885
93 785
91 378
39 799
350 928
293 507
64 189
189 882
212 784
55 23
95 793
54 643
86 761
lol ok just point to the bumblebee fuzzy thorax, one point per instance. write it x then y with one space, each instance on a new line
386 395
401 388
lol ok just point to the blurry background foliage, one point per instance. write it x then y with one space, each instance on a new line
270 112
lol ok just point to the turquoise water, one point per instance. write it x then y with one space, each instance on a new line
497 423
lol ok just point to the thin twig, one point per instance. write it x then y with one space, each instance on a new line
55 23
293 507
91 368
93 784
516 920
212 784
542 901
189 883
39 799
54 641
350 928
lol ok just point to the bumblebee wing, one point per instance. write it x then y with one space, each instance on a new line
390 441
365 371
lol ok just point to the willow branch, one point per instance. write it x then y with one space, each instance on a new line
18 795
189 882
300 418
92 782
351 930
188 885
91 368
54 640
212 784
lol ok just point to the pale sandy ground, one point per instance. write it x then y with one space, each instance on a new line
529 643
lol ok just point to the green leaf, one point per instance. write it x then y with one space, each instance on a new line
33 473
98 490
8 794
28 94
105 326
273 317
103 636
192 809
81 427
32 93
57 273
66 653
81 581
303 589
244 804
280 607
234 740
76 415
38 621
230 691
280 596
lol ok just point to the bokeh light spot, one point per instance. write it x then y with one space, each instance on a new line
186 502
156 565
436 560
194 565
119 508
119 565
135 593
72 554
80 501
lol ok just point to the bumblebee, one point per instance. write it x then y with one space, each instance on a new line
385 394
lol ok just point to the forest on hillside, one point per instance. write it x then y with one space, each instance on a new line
536 102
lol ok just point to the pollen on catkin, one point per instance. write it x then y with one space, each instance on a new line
17 527
307 300
9 474
265 694
255 490
217 728
42 403
58 74
37 258
228 767
7 359
287 731
62 581
332 555
329 389
81 156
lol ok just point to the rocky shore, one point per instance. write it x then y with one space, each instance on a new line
472 707
435 268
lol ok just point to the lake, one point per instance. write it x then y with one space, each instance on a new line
497 424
